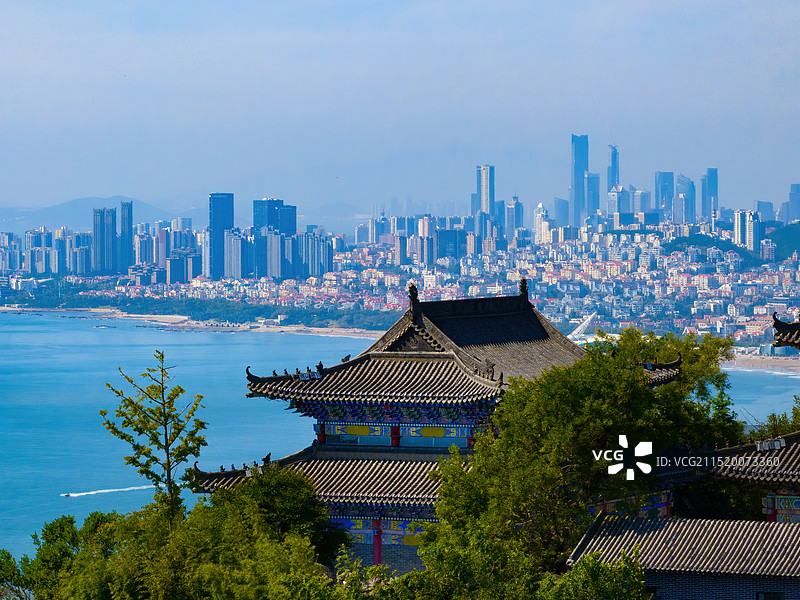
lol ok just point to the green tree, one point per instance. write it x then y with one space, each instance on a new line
778 424
592 579
514 509
161 434
13 583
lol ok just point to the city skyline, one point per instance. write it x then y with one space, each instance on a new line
357 104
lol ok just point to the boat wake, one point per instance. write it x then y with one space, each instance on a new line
92 493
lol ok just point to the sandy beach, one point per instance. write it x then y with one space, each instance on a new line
755 361
184 323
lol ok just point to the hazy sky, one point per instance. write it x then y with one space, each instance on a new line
356 102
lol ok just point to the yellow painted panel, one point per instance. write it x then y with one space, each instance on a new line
358 430
433 432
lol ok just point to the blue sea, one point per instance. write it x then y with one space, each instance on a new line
53 370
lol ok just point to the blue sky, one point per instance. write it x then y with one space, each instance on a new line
321 103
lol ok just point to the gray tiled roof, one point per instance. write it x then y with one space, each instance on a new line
786 334
358 474
438 352
774 461
377 377
697 545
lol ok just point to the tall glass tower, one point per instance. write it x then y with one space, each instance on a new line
612 172
220 219
709 195
665 191
577 188
125 237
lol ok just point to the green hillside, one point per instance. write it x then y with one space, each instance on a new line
787 240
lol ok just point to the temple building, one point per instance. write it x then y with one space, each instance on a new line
385 417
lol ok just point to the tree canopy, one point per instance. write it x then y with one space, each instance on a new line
514 509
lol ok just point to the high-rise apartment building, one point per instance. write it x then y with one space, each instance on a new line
485 181
220 219
126 237
747 230
104 241
539 216
665 191
577 188
709 195
612 172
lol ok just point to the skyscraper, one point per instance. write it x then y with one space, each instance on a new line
685 192
104 241
126 236
485 181
220 219
592 193
274 214
612 173
577 189
709 195
539 216
561 211
665 191
514 216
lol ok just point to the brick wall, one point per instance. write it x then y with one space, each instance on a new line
701 586
401 559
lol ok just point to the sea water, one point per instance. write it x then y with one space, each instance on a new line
53 373
53 370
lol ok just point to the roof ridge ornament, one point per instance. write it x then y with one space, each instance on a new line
413 299
523 287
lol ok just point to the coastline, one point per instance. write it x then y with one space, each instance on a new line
184 323
789 364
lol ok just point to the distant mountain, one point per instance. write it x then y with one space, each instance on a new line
338 217
77 214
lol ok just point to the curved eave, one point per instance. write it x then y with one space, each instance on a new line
786 334
380 377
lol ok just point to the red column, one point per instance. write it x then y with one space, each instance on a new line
377 534
395 431
321 433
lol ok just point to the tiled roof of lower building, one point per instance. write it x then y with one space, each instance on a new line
756 548
770 461
370 475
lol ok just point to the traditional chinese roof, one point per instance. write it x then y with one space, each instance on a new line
379 377
771 461
356 475
755 548
451 351
786 334
661 373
